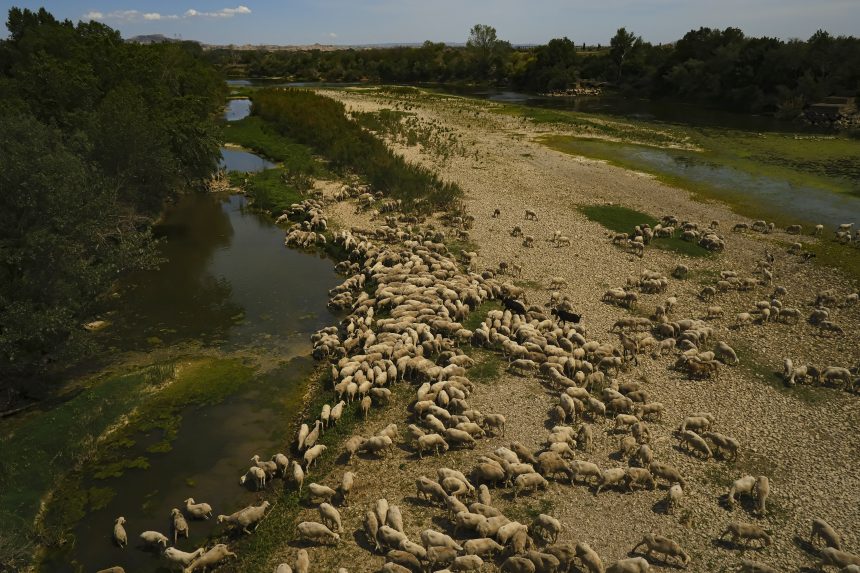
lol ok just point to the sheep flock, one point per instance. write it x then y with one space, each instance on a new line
418 317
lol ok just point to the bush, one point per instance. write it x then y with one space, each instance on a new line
321 122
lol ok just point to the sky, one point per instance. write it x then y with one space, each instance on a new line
354 22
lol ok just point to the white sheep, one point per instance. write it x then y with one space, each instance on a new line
744 485
182 558
548 524
346 484
312 454
303 561
212 557
119 534
330 516
198 510
180 526
244 518
318 491
153 538
822 531
254 473
630 565
316 532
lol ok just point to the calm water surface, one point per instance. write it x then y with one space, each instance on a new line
227 284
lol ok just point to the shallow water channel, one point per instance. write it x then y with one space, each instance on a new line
230 287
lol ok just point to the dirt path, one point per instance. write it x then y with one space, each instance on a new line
805 440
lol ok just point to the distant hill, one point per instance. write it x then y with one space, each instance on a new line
151 39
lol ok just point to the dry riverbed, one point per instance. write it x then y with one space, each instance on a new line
805 440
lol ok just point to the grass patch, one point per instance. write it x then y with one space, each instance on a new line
257 552
487 366
623 220
590 125
156 413
756 367
255 134
270 191
31 464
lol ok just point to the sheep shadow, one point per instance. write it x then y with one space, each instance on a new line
661 506
806 546
418 501
729 545
666 561
442 523
360 538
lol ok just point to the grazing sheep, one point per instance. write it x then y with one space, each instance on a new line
114 569
631 565
119 535
244 518
198 510
376 445
659 544
529 482
211 558
726 353
353 445
531 215
517 565
153 538
254 473
691 441
346 484
371 529
762 490
182 558
747 532
748 566
394 519
822 531
589 558
405 559
316 532
673 498
744 485
668 472
318 491
483 547
312 454
611 476
180 526
298 475
639 476
330 516
549 525
723 443
430 490
431 441
432 538
303 561
837 558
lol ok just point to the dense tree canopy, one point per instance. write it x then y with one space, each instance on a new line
723 68
96 134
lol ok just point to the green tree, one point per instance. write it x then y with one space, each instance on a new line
487 51
622 45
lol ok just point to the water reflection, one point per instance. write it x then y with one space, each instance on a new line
226 279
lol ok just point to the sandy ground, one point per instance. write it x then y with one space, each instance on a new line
805 440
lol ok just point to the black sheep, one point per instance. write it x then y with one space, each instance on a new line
515 306
566 316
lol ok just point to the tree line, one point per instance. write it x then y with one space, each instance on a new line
723 68
321 123
97 133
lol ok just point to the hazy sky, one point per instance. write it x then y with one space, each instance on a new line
520 21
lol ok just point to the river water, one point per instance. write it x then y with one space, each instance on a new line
229 287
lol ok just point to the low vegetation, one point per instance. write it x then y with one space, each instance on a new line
321 122
623 220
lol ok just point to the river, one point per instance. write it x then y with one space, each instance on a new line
228 286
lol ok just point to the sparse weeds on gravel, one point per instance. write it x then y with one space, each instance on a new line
487 366
527 513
